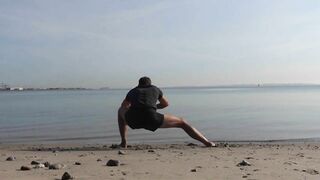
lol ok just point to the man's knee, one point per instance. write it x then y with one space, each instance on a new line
182 122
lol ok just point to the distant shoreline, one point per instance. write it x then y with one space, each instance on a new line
173 87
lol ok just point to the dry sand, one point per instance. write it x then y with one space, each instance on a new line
175 161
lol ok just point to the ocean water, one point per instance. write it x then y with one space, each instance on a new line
225 114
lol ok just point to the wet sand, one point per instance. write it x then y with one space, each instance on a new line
166 161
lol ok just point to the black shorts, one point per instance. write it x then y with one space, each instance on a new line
148 119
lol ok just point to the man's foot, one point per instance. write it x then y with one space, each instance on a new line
123 144
210 144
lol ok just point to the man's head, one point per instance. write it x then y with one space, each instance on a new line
144 81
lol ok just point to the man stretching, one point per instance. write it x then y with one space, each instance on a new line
138 110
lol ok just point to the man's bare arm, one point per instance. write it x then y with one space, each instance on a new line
125 104
163 102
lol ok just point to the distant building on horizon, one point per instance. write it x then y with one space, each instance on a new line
104 88
4 87
16 89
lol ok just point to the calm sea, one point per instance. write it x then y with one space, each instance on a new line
231 114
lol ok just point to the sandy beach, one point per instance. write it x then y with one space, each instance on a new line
166 161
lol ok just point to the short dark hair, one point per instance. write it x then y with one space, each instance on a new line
144 81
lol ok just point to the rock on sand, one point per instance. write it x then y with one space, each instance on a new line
11 158
113 162
66 176
25 168
244 163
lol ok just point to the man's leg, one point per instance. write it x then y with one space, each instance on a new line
122 126
176 122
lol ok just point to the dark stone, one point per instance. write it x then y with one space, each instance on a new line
249 158
151 150
193 170
11 158
35 163
77 163
55 166
121 152
113 162
244 163
25 168
66 176
46 164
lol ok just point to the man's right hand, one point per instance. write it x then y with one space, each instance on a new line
163 102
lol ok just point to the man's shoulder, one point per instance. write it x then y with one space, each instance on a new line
156 87
149 88
133 90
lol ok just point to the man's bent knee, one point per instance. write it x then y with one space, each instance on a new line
181 123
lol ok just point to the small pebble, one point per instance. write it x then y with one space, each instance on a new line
121 152
77 163
35 162
11 158
46 164
66 176
113 162
244 163
25 168
193 170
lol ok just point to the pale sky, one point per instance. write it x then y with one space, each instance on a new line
92 43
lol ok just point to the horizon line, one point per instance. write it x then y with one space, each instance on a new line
182 86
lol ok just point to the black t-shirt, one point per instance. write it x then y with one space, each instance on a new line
144 97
